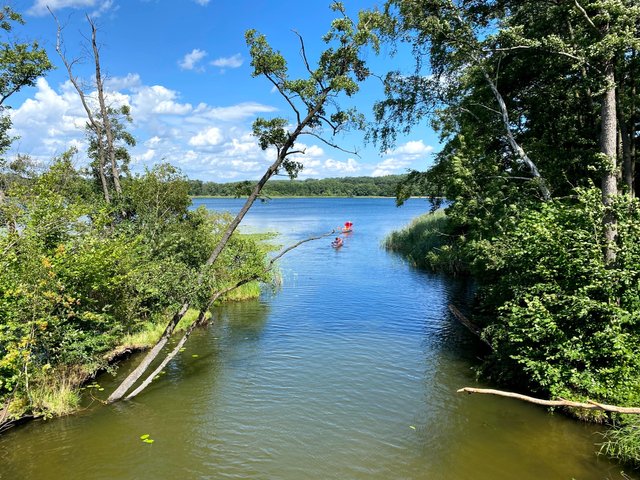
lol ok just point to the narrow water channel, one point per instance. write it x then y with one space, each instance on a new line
348 371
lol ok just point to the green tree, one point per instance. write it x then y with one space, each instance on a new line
20 66
524 97
339 70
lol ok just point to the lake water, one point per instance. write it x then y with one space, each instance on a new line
349 371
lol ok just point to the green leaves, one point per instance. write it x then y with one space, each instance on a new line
340 68
264 59
565 318
270 133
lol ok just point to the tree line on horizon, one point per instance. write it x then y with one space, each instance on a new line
384 186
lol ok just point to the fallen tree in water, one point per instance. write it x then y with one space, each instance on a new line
201 316
589 405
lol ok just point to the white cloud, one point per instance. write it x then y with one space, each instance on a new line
153 141
391 166
350 166
145 157
39 8
401 158
202 2
207 142
314 151
209 137
128 82
48 122
234 61
148 101
233 113
191 60
415 148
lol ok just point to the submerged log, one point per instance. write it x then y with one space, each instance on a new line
200 320
473 328
589 405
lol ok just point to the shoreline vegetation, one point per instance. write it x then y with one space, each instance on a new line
346 187
85 282
432 242
62 394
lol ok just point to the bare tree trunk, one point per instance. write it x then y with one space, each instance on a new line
94 124
628 164
104 111
515 146
608 133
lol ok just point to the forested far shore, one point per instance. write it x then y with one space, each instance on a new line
385 186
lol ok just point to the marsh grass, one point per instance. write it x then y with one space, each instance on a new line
247 291
623 443
427 242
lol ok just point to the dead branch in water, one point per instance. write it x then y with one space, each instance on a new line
590 405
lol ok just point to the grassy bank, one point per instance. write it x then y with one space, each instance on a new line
60 394
426 242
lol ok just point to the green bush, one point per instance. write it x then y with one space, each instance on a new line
566 322
78 275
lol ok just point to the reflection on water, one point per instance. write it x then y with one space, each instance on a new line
349 371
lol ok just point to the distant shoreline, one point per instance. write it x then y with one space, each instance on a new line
298 196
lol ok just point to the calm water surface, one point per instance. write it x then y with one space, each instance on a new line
349 371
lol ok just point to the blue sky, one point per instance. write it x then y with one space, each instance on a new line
184 68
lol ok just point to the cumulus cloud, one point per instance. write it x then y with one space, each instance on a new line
144 157
402 158
234 61
390 166
313 151
210 142
415 148
233 113
39 7
49 122
350 166
209 137
153 100
192 59
128 82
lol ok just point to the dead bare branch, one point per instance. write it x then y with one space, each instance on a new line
331 144
590 405
147 381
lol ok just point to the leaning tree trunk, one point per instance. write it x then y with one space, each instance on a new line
513 143
134 376
608 144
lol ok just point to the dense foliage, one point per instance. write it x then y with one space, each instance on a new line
327 187
536 106
75 278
